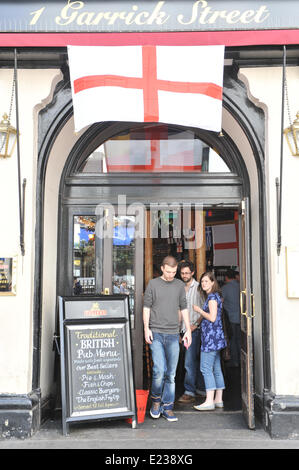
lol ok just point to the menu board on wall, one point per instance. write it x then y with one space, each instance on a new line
96 359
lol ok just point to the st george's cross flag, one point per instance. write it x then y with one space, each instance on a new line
154 153
168 84
226 245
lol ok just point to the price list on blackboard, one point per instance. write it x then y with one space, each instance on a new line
96 359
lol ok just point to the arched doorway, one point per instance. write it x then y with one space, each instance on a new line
82 192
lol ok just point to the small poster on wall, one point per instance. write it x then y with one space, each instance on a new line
8 271
292 263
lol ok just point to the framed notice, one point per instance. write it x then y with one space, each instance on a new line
8 276
292 263
96 359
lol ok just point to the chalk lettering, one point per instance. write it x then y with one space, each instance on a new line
97 343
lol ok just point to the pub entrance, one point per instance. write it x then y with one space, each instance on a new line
117 189
217 251
220 248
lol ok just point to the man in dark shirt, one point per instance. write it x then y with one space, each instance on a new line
193 380
163 299
231 304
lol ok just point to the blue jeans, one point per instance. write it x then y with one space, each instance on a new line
210 366
193 376
165 350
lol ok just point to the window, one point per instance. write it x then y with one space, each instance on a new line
153 149
123 257
84 255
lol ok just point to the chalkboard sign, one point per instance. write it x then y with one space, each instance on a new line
96 359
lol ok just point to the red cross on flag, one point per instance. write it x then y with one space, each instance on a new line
226 245
156 152
170 84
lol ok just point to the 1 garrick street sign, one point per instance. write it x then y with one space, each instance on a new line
114 16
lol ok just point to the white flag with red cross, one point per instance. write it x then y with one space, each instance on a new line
153 150
168 84
226 244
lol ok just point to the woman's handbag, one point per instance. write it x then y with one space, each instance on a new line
225 352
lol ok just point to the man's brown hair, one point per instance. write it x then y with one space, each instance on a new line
170 261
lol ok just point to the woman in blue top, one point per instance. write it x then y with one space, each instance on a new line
212 341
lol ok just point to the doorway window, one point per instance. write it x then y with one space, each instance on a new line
154 149
123 257
84 255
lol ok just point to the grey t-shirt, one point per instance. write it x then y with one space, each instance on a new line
165 299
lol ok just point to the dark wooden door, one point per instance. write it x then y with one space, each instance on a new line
247 314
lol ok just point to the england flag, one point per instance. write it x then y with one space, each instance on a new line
168 84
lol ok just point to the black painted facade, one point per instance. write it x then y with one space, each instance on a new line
21 415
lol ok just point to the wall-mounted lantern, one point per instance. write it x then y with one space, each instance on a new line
8 137
292 136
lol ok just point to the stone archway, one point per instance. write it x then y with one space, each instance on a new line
242 121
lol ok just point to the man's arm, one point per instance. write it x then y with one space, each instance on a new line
147 303
148 336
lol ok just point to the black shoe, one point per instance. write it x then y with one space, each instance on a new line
186 399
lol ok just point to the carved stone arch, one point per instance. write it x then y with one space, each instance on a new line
246 113
50 122
251 118
100 132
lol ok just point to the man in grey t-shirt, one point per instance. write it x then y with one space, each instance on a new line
163 299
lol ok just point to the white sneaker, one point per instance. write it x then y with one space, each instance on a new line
204 407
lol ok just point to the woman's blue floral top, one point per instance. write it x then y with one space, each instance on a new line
212 336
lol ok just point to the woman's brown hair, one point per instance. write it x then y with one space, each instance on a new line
211 276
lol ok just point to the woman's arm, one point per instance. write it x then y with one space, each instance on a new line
212 314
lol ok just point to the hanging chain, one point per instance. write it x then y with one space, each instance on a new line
4 138
289 113
287 100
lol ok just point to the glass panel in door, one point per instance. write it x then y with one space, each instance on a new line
123 274
84 255
123 258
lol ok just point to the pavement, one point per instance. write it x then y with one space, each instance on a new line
194 431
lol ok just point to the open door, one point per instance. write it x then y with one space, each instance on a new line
123 272
247 314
